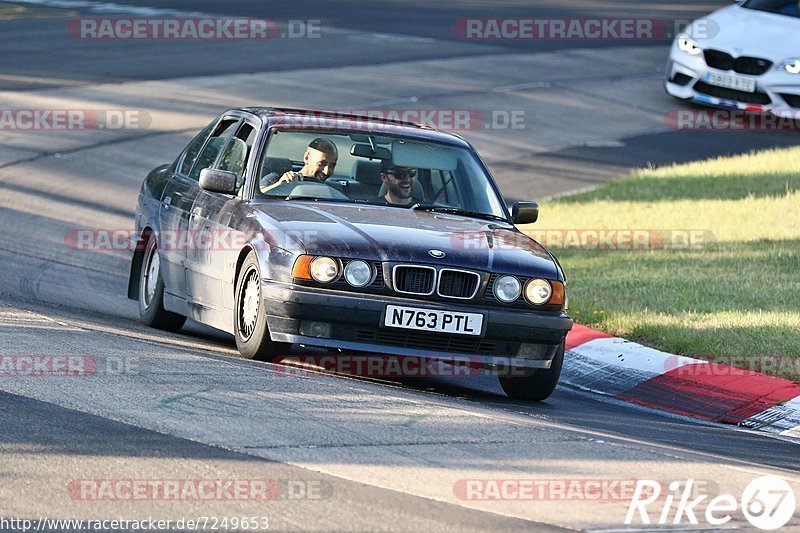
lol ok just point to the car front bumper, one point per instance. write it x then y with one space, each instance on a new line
357 324
684 73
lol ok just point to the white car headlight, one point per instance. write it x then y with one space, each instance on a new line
538 291
688 45
792 66
357 273
324 269
507 288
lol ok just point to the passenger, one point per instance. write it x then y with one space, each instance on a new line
319 163
399 184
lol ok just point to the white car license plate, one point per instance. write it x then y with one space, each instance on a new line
433 320
731 82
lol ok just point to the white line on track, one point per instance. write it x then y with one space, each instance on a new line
144 11
110 7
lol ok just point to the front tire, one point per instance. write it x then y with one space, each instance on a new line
250 320
538 384
151 293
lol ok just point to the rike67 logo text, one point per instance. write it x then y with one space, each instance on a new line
766 502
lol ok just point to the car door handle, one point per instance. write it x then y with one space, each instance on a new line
166 203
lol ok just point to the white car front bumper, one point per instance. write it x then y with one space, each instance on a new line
777 91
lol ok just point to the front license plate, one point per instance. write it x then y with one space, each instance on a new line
731 82
432 320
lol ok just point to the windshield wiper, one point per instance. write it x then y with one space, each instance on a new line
314 198
301 197
455 211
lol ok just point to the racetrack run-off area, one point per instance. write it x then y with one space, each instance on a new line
629 371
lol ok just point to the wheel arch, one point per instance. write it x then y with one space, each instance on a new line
272 265
243 253
136 262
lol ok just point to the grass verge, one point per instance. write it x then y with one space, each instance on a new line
700 259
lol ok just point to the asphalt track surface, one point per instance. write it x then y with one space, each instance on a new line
390 452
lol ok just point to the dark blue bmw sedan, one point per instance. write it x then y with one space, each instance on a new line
285 226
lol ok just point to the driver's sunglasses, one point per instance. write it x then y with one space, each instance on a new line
406 173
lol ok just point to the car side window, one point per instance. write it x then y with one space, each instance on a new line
234 158
193 150
216 142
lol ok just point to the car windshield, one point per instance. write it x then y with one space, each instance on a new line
790 8
388 170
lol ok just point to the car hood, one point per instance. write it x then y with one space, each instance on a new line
746 32
394 234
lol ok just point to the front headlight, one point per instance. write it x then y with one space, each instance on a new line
792 66
324 269
538 291
357 273
688 45
507 288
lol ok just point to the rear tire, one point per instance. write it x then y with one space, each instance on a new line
151 293
250 318
538 384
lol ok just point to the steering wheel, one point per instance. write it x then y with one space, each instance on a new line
311 188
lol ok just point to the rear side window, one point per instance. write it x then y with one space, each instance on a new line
213 147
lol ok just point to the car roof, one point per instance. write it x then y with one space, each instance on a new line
349 122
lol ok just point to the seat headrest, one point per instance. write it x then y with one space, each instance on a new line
278 165
368 172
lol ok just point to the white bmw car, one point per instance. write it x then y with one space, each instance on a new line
744 56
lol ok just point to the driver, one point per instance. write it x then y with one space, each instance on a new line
399 184
319 163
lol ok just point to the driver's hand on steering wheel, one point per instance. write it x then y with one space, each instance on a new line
289 177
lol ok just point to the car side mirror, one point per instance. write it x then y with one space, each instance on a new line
221 181
524 212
